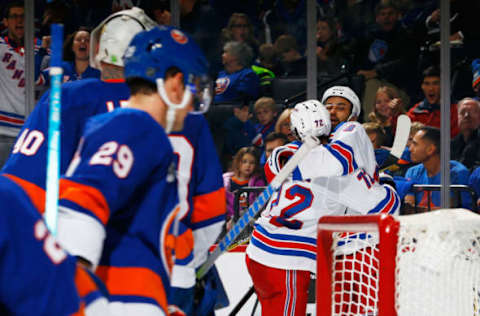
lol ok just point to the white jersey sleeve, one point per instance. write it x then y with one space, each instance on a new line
349 149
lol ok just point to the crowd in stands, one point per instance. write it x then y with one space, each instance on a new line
386 50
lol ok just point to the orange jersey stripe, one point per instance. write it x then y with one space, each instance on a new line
84 282
209 205
184 245
87 197
34 192
134 281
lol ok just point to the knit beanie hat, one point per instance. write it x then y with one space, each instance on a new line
476 72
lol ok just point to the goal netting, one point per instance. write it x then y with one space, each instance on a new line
423 264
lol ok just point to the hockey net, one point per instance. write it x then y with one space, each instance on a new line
423 264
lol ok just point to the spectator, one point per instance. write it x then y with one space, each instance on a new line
293 63
76 51
56 11
465 147
237 82
265 67
283 125
377 135
463 24
386 55
388 106
265 113
330 51
272 141
160 11
199 19
240 29
12 75
287 17
428 110
245 173
425 150
239 130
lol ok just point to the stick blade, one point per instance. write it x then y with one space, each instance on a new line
401 135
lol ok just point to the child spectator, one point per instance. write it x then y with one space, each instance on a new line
388 106
240 131
265 112
245 173
293 63
377 135
283 125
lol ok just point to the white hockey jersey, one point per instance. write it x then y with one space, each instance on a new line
12 86
339 178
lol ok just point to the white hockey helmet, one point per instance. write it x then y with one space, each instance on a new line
344 92
110 39
310 118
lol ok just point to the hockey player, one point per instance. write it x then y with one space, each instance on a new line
80 100
37 276
118 196
337 178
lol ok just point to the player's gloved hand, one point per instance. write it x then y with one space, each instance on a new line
277 160
310 118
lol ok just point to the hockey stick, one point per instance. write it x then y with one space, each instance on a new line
258 204
53 152
400 142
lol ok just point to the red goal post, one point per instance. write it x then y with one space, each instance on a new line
383 265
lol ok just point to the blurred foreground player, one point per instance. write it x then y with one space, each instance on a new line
119 196
282 250
80 100
37 276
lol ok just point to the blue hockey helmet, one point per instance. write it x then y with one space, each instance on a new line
151 53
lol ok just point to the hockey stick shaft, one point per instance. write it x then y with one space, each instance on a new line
257 205
53 152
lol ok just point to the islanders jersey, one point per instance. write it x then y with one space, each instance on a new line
116 208
12 84
38 277
201 196
79 101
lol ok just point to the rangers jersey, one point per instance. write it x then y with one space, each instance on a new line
38 277
79 101
12 84
335 179
116 207
201 195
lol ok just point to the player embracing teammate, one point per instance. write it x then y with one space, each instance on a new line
336 178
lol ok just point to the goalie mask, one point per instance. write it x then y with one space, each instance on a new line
152 53
346 93
310 118
110 39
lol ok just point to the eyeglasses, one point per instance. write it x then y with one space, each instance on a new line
16 16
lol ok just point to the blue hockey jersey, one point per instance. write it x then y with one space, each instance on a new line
201 195
116 205
37 276
80 100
